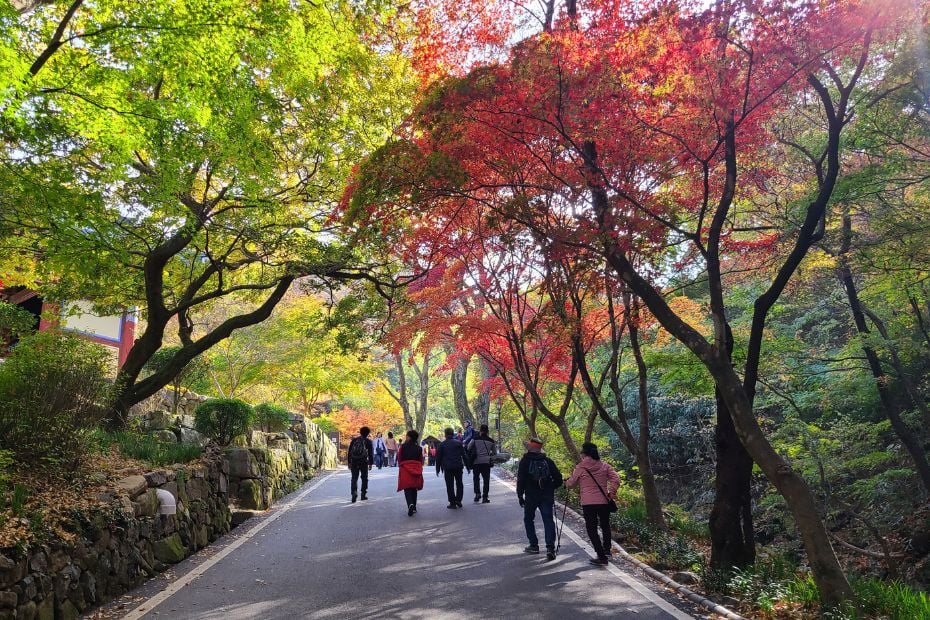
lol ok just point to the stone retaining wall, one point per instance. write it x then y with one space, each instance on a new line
119 546
154 416
125 541
268 466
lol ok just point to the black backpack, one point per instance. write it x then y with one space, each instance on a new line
538 472
358 451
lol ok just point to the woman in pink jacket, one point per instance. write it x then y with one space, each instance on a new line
599 482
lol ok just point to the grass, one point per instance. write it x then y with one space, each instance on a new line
774 584
894 600
147 448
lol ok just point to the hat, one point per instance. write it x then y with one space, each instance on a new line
534 444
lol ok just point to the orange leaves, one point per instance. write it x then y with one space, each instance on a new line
691 312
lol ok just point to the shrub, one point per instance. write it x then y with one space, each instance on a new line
14 322
272 418
53 391
148 448
223 419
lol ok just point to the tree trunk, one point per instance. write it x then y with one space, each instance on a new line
422 401
731 531
459 380
133 391
909 439
646 475
912 392
825 567
732 538
482 406
401 396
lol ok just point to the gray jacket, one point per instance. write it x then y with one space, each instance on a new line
481 449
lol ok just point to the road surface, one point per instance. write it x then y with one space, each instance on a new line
318 556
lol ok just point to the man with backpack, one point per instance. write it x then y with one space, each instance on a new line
537 480
360 457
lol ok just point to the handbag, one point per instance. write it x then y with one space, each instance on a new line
611 504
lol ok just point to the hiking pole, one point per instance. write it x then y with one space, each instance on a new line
561 525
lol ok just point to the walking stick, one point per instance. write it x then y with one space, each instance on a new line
561 525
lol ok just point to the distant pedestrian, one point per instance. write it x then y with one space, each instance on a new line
360 458
410 472
391 444
480 449
469 433
599 482
450 459
537 479
380 451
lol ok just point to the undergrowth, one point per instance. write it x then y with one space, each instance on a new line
147 448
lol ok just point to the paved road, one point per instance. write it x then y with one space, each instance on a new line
321 557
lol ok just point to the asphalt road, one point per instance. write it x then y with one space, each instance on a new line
319 556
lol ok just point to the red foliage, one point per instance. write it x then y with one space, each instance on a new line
632 97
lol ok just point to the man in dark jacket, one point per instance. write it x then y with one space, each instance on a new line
450 459
360 457
537 480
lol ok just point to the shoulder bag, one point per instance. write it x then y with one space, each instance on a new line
611 504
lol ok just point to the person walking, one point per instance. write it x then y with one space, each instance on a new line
450 459
469 433
480 449
410 470
391 444
360 457
380 451
537 479
599 482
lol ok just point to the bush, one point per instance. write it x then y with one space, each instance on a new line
223 419
14 322
53 391
272 418
148 448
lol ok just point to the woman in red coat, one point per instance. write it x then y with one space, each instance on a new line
410 470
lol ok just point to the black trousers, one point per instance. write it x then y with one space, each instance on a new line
454 489
411 496
598 515
358 469
482 473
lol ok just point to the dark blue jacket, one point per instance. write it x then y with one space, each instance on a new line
450 455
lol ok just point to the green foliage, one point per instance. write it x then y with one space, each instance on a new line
765 583
326 424
148 448
295 356
223 419
14 321
272 418
53 391
776 579
679 521
664 550
894 600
